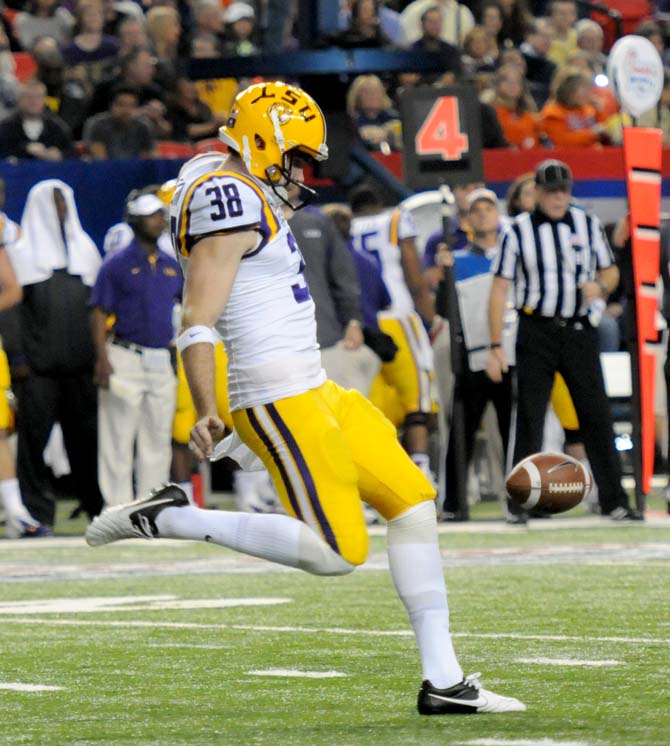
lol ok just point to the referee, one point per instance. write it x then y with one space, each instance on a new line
562 267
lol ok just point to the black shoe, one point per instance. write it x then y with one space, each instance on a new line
466 698
624 515
136 520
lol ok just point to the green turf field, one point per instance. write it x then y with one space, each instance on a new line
149 643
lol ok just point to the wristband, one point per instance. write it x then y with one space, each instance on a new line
195 335
495 346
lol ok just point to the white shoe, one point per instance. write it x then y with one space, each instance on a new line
24 527
465 698
136 520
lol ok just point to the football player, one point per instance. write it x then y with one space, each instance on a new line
387 235
326 448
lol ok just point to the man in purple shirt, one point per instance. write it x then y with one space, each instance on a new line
137 289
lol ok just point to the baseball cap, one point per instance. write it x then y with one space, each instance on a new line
553 174
478 194
237 11
145 205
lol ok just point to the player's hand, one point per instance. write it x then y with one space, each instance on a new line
203 434
353 336
496 364
102 371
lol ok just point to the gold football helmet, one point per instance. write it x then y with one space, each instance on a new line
166 191
269 123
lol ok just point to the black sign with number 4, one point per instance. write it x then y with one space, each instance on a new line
442 141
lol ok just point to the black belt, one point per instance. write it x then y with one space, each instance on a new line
578 322
137 349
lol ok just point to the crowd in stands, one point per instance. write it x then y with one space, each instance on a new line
109 78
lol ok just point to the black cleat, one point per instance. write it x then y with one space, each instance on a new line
466 698
136 520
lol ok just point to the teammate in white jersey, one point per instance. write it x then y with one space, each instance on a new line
387 235
326 448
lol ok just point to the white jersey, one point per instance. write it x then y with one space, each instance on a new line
379 236
268 325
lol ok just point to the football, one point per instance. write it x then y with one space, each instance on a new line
551 482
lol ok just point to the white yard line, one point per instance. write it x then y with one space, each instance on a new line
521 742
324 630
14 686
568 662
297 674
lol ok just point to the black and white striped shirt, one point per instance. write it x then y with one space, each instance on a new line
549 260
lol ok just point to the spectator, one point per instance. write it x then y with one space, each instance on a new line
515 22
473 275
590 39
33 132
364 28
521 195
541 69
164 30
132 34
431 41
515 109
217 93
44 18
56 263
191 118
659 116
119 133
240 20
208 19
136 70
7 27
9 86
654 32
457 20
68 89
568 119
492 19
138 286
562 19
376 122
90 47
480 52
116 13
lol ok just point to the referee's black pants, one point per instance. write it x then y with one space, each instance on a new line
547 346
477 390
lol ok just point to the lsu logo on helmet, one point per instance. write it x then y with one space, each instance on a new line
269 120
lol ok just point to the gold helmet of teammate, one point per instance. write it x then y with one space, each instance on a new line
271 123
166 191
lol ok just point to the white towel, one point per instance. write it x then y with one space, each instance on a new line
41 249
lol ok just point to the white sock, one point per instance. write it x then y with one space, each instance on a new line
11 499
188 490
277 538
416 569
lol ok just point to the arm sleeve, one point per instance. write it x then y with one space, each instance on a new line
215 204
342 276
504 265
